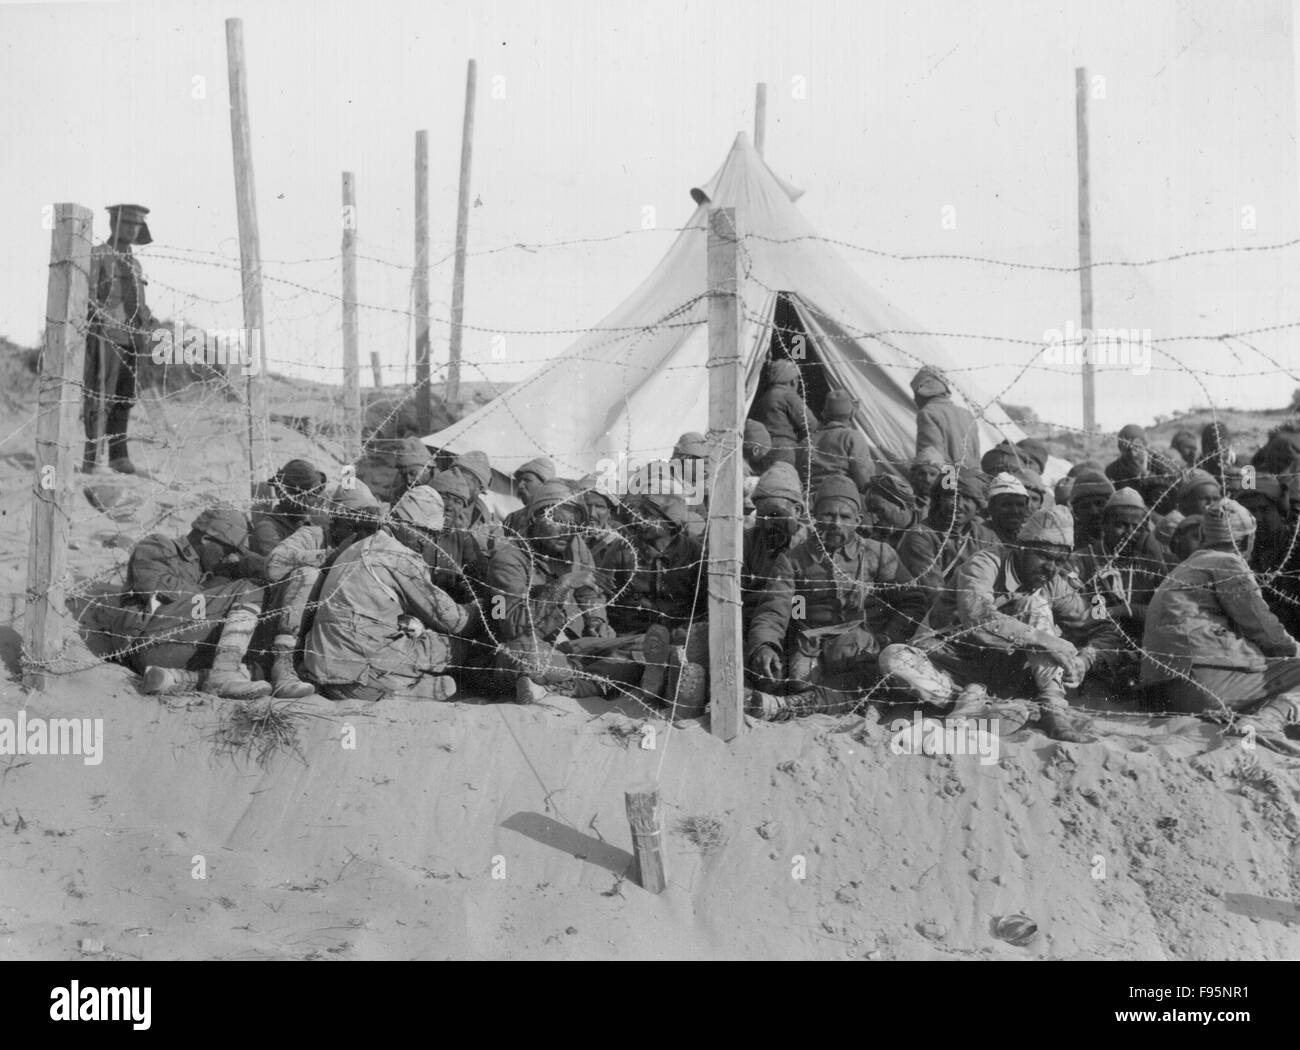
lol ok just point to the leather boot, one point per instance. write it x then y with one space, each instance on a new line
769 707
229 678
766 707
822 701
169 680
1057 722
656 647
285 683
119 459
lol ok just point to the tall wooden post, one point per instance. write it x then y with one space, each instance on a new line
642 802
377 372
351 366
726 647
423 409
250 251
760 118
1085 252
58 403
452 393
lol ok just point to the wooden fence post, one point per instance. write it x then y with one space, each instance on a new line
726 396
250 252
452 390
643 815
351 366
423 406
56 430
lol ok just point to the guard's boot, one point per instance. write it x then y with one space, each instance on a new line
1268 722
229 678
169 680
119 459
285 683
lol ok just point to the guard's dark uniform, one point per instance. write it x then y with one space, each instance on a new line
118 333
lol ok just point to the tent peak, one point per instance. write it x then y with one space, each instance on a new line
742 153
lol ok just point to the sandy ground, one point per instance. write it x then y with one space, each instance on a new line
474 830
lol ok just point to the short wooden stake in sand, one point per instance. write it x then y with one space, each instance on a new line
647 835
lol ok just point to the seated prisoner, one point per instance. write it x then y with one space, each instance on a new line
1008 508
1121 571
689 467
778 528
603 527
380 627
891 511
658 590
296 566
952 534
299 486
476 469
924 473
1211 642
1009 621
528 479
835 602
389 468
1088 498
541 592
456 562
187 618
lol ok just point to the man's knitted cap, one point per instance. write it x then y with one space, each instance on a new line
1049 528
779 481
541 467
420 506
223 523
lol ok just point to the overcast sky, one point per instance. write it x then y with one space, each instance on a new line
892 116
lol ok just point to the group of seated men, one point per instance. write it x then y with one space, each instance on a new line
1164 579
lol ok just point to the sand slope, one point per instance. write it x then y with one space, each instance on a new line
389 849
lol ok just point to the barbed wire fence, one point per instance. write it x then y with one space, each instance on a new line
191 405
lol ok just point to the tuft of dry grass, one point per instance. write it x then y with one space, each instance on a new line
703 832
259 730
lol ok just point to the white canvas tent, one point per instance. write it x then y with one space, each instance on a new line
639 378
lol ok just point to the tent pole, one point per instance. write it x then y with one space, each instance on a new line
726 417
760 118
1085 252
